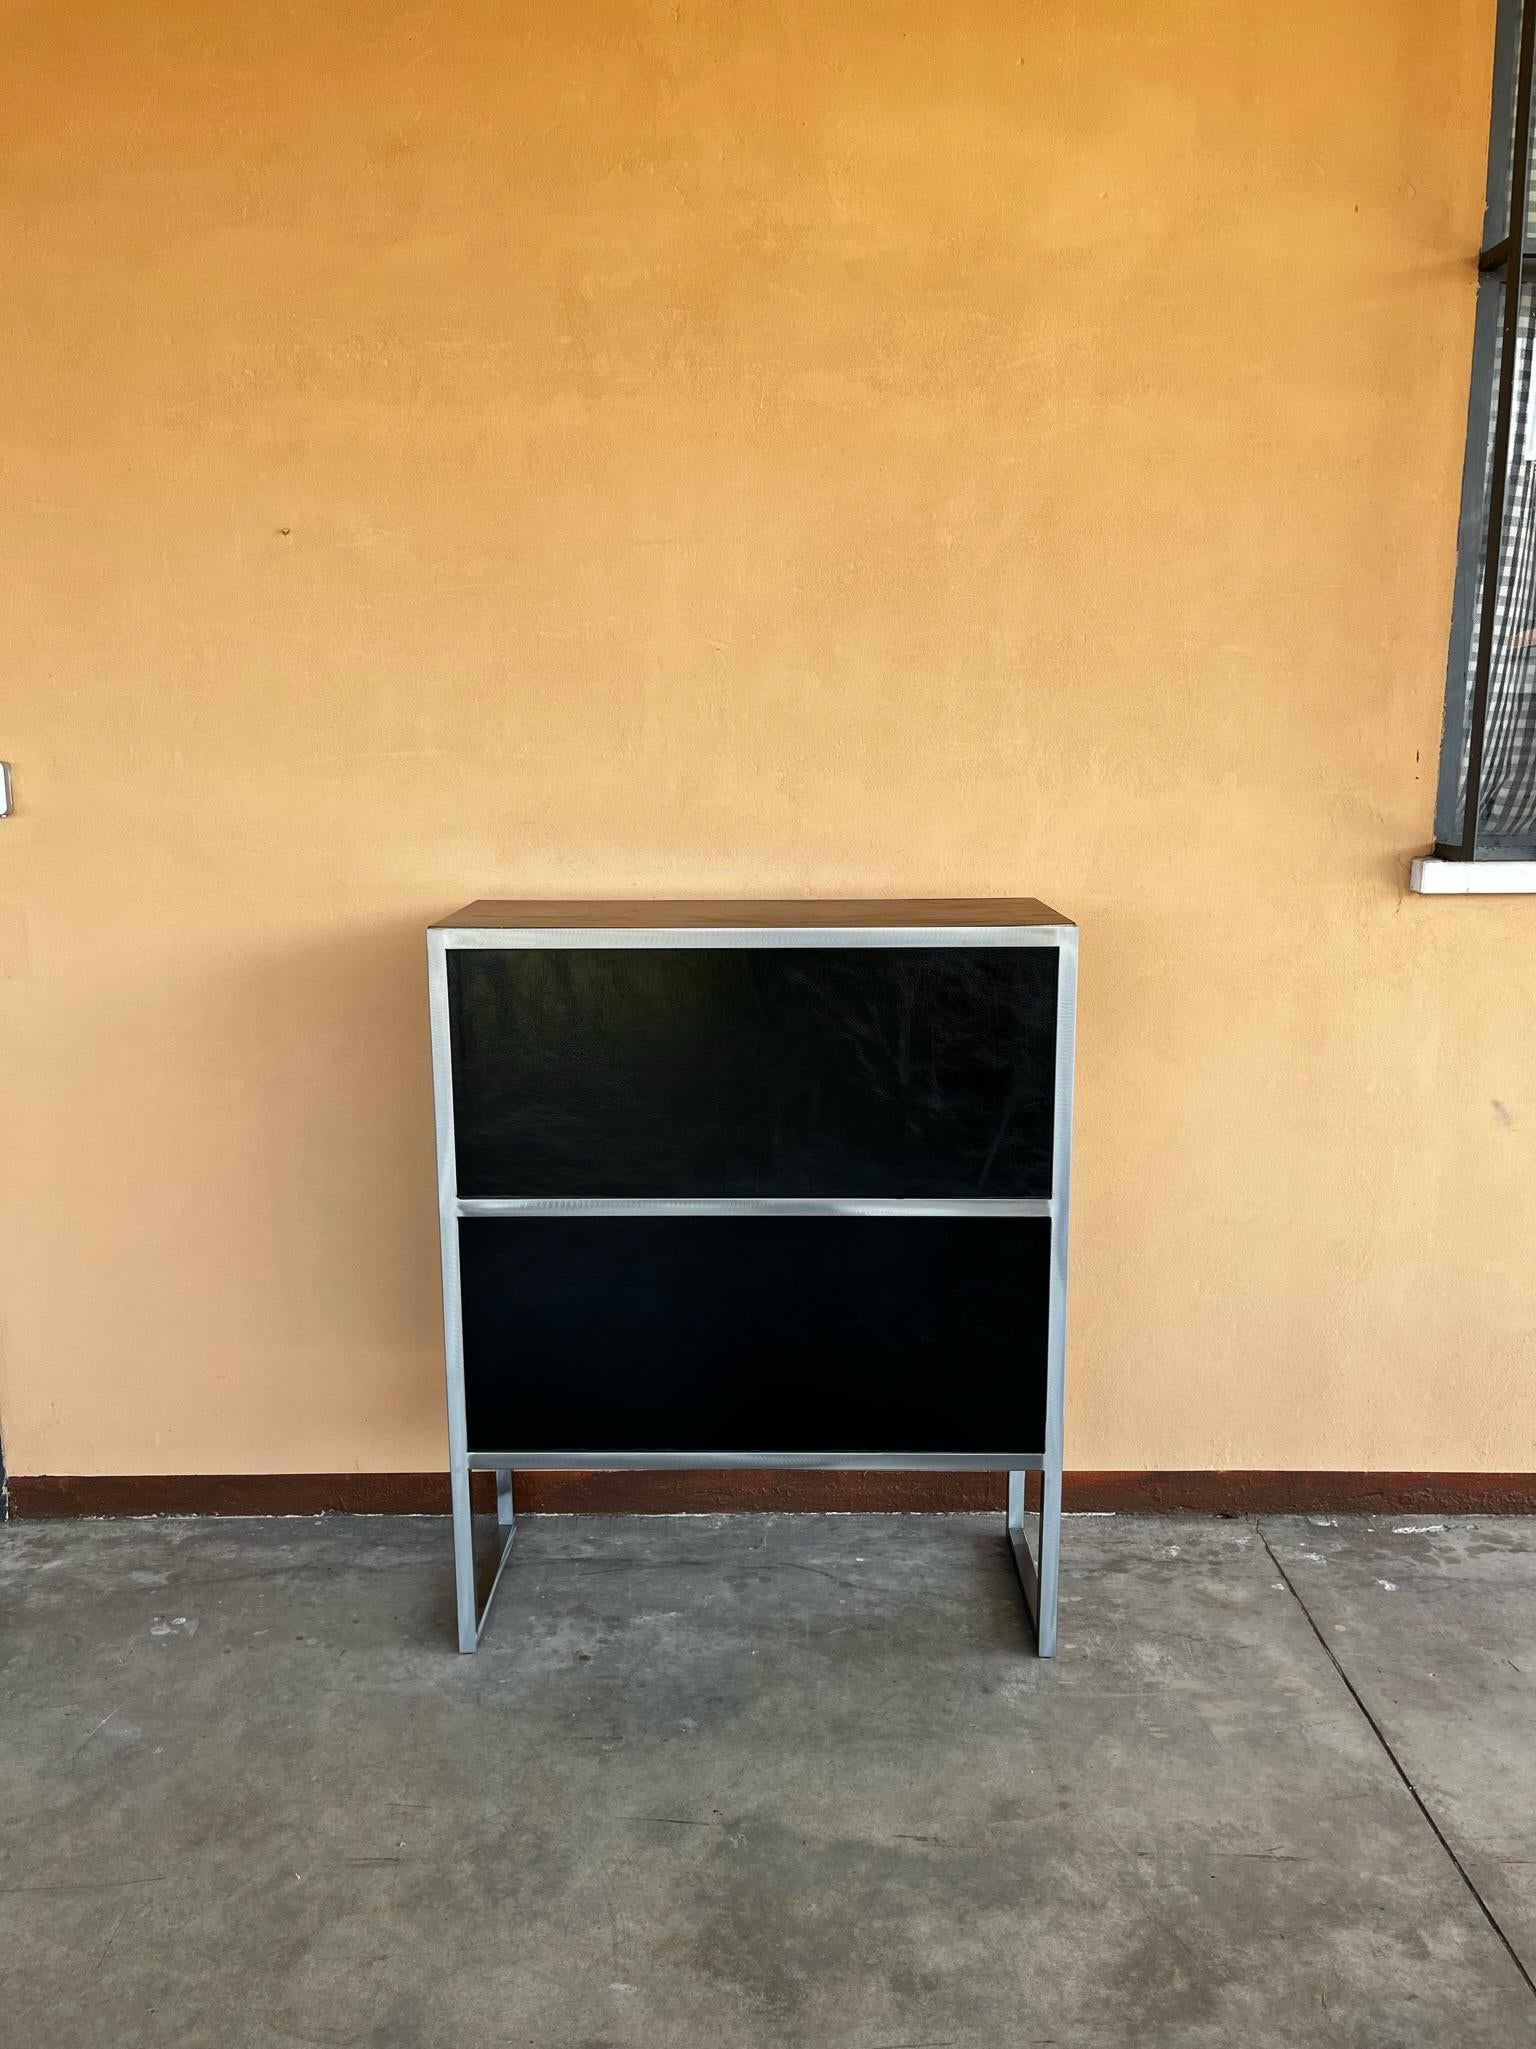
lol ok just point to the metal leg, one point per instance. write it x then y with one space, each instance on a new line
1050 1560
1016 1485
464 1556
1039 1586
473 1613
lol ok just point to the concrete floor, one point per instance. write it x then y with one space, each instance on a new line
793 1780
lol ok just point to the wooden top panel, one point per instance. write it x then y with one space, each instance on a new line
640 914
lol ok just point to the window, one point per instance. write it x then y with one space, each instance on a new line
1487 800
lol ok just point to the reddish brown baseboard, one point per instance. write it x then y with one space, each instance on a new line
1205 1493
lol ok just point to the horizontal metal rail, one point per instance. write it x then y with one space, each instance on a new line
766 1461
751 1206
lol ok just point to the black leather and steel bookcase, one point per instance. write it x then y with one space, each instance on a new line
755 1185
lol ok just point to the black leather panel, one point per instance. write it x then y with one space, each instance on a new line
744 1071
754 1333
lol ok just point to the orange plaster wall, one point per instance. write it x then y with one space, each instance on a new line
743 447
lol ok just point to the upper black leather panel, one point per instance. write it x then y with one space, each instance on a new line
858 1072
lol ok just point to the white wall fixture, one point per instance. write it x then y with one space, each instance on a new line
1473 878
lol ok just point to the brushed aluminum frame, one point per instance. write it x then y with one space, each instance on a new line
1040 1581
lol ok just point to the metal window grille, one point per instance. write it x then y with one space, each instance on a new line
1488 770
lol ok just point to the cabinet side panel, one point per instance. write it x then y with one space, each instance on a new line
885 1334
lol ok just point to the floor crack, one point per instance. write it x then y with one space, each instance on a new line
1397 1765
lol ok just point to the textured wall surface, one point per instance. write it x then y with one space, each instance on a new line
743 447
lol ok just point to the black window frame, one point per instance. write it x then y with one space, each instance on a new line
1506 265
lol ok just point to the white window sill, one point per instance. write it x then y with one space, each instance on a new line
1472 878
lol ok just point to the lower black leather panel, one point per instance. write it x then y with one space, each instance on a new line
753 1333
